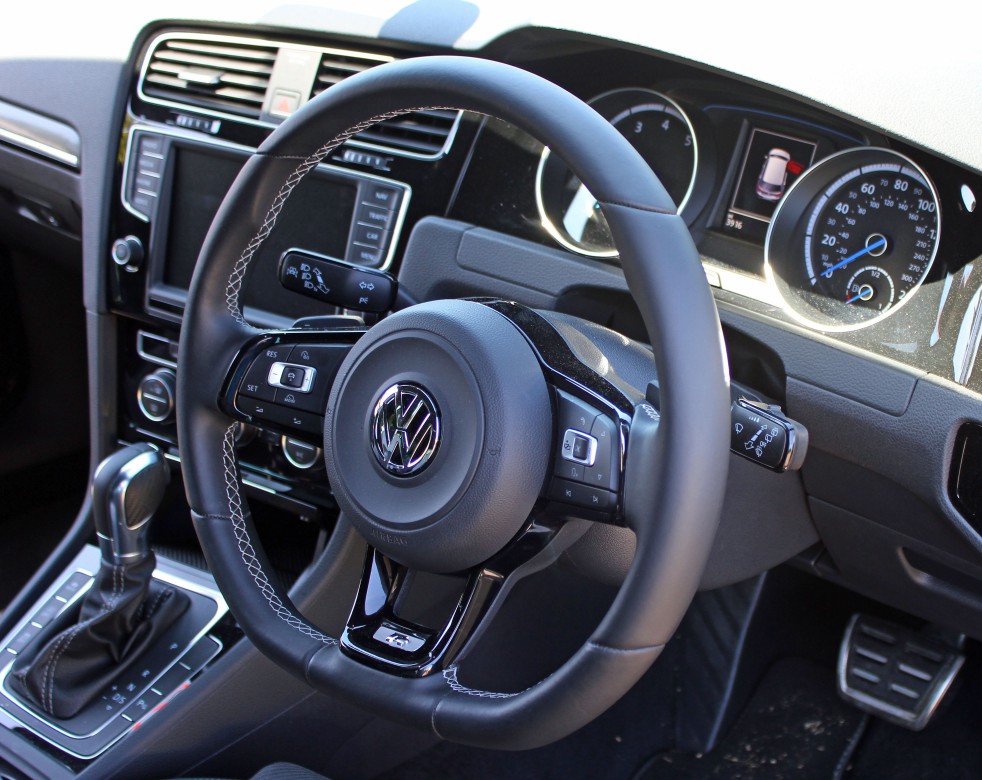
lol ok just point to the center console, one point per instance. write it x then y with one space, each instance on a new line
139 693
333 253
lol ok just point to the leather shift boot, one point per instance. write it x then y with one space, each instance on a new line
79 654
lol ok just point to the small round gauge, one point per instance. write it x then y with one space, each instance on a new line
853 239
661 132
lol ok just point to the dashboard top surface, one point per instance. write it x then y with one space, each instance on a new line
884 68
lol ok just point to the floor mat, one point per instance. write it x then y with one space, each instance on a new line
795 726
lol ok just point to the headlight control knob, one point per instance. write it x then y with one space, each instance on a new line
127 252
155 395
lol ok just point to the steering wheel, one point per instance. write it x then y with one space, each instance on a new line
445 427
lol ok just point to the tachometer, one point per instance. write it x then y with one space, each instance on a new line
853 239
658 128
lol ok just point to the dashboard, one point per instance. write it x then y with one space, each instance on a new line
844 258
832 198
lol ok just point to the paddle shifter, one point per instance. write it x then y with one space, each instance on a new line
125 610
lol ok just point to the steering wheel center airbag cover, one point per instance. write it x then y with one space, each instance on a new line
481 379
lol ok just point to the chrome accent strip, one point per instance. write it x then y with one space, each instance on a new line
141 337
39 134
555 233
322 50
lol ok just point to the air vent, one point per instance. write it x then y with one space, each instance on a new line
218 74
424 134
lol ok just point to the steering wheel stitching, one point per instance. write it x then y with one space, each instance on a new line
670 464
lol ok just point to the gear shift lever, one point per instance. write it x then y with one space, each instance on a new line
127 489
124 612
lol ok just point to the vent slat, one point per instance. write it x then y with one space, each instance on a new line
409 126
246 96
382 138
238 79
227 77
347 65
237 52
421 132
447 114
218 63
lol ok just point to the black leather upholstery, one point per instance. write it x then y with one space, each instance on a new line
78 655
676 469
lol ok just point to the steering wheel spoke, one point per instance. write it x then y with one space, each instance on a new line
281 379
382 632
592 424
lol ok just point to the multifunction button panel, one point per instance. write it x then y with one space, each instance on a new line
286 386
376 219
587 459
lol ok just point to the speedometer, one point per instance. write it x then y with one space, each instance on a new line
853 239
661 132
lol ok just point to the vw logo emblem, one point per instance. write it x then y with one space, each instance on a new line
405 429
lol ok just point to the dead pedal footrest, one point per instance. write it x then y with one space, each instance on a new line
894 672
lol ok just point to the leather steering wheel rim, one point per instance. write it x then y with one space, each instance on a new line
675 474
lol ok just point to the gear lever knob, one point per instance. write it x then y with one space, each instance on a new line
126 491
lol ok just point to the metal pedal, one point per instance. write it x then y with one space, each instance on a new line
893 672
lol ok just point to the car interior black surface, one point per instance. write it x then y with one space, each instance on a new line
502 401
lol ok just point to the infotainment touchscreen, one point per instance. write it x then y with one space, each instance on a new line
174 184
317 218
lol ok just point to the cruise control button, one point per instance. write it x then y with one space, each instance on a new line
324 361
256 382
255 407
295 419
293 376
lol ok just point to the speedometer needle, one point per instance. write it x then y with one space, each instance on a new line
856 255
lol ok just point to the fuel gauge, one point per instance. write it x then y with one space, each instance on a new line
870 287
